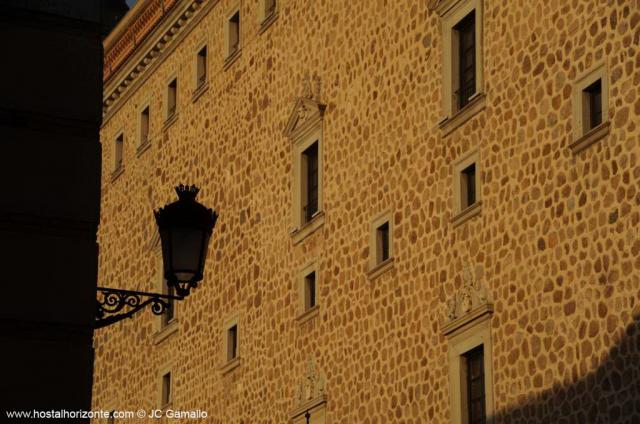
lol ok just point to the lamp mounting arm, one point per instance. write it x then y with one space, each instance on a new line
114 305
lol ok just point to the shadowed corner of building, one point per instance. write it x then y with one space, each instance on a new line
608 394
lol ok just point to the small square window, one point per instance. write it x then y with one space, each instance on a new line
172 93
310 290
166 390
201 65
468 186
309 182
233 33
232 342
144 126
382 243
592 105
118 152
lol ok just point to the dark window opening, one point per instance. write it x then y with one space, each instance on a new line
382 236
119 147
594 95
232 342
234 33
468 186
475 386
166 389
202 66
172 98
144 126
310 157
466 30
310 290
169 312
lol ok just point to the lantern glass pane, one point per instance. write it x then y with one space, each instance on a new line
186 245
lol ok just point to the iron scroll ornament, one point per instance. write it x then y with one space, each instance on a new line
112 301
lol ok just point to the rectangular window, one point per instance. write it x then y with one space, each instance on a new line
201 74
475 389
593 94
465 31
118 152
310 181
234 33
144 126
232 342
310 290
172 90
382 242
166 389
468 186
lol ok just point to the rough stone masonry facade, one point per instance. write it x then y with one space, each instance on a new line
554 249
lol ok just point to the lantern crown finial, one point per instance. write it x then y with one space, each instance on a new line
186 192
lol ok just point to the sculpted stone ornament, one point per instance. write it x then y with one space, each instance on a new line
312 385
469 297
307 110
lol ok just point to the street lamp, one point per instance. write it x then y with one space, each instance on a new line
185 229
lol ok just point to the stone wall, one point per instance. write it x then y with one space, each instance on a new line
556 244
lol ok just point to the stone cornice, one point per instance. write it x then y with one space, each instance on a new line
141 61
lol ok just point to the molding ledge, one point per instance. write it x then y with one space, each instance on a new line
266 23
596 134
307 229
230 365
165 332
381 268
143 147
308 315
199 91
466 214
451 123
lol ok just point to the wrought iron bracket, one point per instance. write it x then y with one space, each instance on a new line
114 305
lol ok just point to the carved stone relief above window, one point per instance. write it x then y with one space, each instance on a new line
310 397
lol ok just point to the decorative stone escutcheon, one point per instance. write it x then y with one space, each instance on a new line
470 302
310 393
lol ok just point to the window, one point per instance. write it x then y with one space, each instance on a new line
232 342
269 8
304 129
473 367
172 90
467 328
310 291
380 245
233 34
593 105
144 126
310 182
463 82
590 108
466 187
118 153
466 55
111 419
166 390
201 67
169 313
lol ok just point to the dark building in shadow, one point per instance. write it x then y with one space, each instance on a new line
50 114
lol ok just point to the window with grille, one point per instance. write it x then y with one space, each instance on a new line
310 183
475 388
466 36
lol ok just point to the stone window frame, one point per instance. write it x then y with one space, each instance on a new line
170 118
307 314
451 13
143 145
198 87
117 168
162 371
376 267
163 329
460 215
266 19
229 365
581 136
303 228
232 56
463 335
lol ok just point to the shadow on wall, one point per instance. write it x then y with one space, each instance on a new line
609 394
